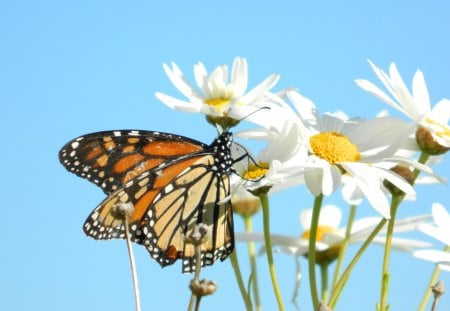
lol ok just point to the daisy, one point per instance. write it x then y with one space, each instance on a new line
279 165
360 149
223 102
415 105
330 237
440 231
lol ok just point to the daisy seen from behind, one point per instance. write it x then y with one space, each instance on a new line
433 132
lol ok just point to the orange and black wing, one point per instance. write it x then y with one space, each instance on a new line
168 201
109 159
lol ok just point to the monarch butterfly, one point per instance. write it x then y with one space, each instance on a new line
171 183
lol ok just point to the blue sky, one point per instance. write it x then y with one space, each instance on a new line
72 67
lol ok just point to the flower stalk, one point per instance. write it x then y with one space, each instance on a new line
252 255
337 290
344 245
264 198
312 251
237 273
133 266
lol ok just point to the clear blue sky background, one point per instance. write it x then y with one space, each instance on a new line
72 67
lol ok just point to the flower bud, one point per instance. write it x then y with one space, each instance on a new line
198 235
202 288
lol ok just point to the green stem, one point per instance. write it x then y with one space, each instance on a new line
337 290
312 251
252 254
423 158
264 198
433 280
324 281
194 301
344 245
240 281
396 200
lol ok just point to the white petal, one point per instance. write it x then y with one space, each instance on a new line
377 92
176 77
441 112
370 185
306 109
420 94
313 179
397 181
350 192
329 216
201 76
179 104
411 223
432 255
239 75
435 233
402 94
404 245
260 90
441 217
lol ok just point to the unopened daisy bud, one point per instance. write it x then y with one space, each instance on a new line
202 288
324 307
198 234
404 172
122 211
245 204
427 143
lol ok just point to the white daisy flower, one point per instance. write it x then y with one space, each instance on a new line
330 237
359 149
440 231
216 97
279 165
415 105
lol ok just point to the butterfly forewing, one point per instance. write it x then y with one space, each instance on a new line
111 158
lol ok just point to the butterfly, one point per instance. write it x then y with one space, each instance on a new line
168 183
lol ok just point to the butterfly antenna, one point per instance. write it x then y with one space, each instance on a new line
253 112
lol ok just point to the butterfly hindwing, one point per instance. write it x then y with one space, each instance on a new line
196 197
138 193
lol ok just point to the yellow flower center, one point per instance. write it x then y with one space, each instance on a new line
217 103
334 147
328 255
321 231
256 171
444 130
